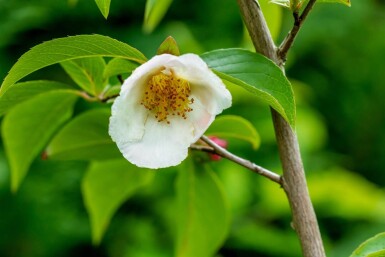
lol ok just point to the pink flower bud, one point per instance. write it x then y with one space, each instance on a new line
221 143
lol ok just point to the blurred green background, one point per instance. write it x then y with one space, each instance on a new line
338 72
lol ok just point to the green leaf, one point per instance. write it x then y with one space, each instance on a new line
256 74
23 91
87 73
232 126
106 186
169 46
104 7
68 48
111 92
344 2
119 66
203 214
330 197
373 247
284 3
380 253
84 138
28 127
155 11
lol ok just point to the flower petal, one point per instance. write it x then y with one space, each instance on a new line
200 118
128 116
205 84
146 142
127 120
163 145
141 74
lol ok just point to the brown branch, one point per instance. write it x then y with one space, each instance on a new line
216 149
252 15
203 148
289 40
293 178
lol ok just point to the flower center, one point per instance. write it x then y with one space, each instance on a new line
166 94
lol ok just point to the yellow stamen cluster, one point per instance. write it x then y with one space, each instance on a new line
166 95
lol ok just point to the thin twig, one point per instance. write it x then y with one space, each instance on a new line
298 21
89 98
203 148
106 99
307 9
216 149
86 96
120 78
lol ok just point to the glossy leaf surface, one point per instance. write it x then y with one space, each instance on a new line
68 48
169 46
257 74
87 73
119 66
23 91
232 126
106 186
104 7
84 138
28 127
344 2
203 214
155 10
373 247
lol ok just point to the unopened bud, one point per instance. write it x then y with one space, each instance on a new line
221 142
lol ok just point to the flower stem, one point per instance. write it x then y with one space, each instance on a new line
216 149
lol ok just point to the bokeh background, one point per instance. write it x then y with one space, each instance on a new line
337 68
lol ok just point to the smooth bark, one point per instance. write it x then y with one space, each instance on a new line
293 181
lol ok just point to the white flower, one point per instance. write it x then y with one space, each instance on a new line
165 106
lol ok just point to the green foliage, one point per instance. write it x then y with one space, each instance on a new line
169 46
104 7
23 91
84 138
331 198
203 214
253 234
258 75
344 2
112 92
232 126
18 17
53 221
380 253
284 3
373 247
28 127
106 186
87 73
117 66
310 123
155 10
46 210
69 48
295 5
